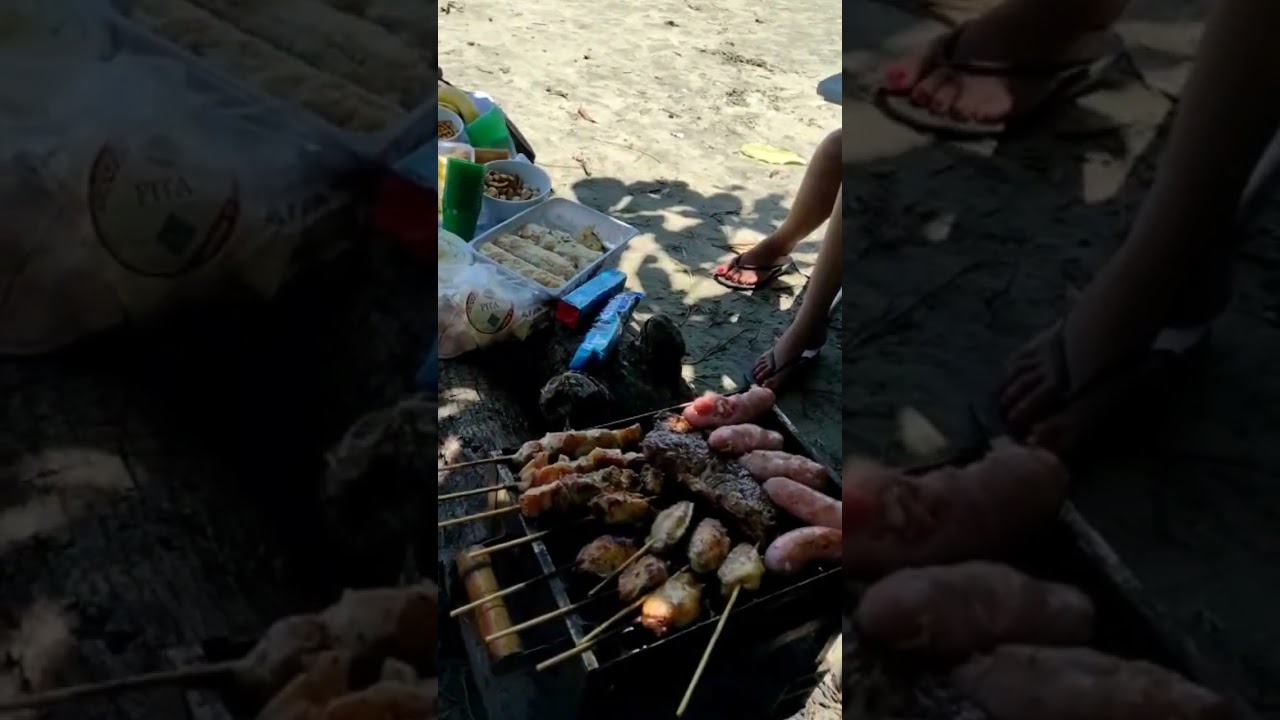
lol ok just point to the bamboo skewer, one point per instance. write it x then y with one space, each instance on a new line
509 544
183 676
473 463
478 516
618 570
623 421
706 654
612 621
477 491
505 591
539 620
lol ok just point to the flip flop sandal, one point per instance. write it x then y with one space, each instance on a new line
1143 364
1066 81
766 273
803 361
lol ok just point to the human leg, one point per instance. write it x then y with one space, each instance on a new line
1171 276
811 208
1006 63
807 332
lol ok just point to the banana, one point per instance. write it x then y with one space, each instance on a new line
457 102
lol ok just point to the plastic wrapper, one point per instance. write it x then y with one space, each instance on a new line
127 189
480 306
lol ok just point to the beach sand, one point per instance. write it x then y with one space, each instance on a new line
640 111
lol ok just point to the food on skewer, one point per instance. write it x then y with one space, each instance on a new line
312 689
765 464
742 568
604 555
804 503
1053 683
578 490
671 422
578 443
896 521
713 410
677 453
740 497
621 508
796 550
643 575
953 612
597 459
670 527
688 458
387 701
742 439
530 470
674 605
709 546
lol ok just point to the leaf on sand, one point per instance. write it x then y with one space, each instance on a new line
771 155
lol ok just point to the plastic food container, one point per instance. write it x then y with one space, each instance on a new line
410 131
569 217
496 211
445 116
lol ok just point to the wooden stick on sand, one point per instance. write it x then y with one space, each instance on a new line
706 654
478 516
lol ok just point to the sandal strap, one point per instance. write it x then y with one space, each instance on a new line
947 56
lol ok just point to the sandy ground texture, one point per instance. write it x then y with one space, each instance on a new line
640 111
963 250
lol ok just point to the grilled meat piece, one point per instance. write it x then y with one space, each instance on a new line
651 480
732 489
577 490
677 454
578 443
621 508
598 459
743 567
672 422
641 576
709 546
604 555
670 527
674 605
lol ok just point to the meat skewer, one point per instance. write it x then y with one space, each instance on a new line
709 546
672 606
558 613
645 574
668 529
575 443
743 569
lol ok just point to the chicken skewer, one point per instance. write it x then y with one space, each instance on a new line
668 529
741 569
573 443
610 494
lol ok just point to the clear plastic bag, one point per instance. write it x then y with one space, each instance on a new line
480 306
127 189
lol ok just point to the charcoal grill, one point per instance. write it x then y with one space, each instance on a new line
765 660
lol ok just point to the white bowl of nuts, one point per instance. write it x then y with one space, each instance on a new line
511 187
449 127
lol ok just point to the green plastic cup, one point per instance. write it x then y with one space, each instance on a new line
489 131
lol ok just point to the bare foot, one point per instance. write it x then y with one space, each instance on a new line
995 38
759 265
